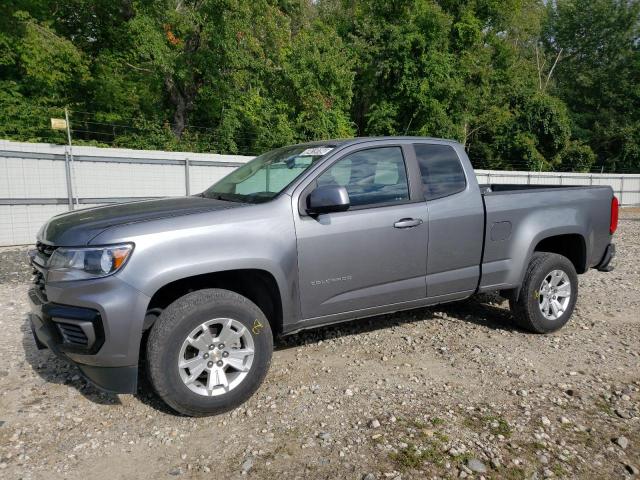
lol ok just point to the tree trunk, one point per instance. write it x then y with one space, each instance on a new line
179 121
182 104
183 95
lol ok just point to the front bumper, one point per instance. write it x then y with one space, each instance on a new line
46 333
95 324
605 263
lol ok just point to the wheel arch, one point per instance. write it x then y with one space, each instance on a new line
562 241
570 245
258 285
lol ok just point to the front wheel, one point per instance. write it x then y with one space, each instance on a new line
548 294
209 352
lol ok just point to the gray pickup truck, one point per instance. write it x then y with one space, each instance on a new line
194 288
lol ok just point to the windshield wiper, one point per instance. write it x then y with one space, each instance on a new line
223 197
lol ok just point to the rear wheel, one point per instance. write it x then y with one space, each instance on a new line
548 294
208 352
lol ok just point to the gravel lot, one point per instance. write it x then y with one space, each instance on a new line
452 391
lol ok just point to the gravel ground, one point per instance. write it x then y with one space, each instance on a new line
446 392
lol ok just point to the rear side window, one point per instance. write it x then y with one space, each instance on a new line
441 171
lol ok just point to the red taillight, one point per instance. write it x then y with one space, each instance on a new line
614 216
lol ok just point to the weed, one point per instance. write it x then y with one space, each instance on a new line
604 407
513 473
436 421
497 425
558 470
413 457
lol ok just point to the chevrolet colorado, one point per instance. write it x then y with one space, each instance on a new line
193 289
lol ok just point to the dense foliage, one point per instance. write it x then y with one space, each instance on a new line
523 84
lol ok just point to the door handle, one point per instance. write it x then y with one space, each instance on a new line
407 222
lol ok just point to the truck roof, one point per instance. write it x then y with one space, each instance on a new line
339 142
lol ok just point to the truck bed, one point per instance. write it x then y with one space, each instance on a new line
519 217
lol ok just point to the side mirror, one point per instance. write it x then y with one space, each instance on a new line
328 199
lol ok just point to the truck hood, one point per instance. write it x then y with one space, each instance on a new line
79 227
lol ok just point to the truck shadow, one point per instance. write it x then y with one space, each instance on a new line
52 369
474 310
55 370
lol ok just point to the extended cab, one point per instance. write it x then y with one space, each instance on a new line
299 237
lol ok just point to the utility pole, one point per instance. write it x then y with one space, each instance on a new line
71 169
63 124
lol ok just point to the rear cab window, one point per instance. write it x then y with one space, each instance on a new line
440 169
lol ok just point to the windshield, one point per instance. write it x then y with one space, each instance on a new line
266 176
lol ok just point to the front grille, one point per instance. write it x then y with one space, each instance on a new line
73 334
39 260
39 283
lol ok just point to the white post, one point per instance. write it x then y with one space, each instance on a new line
71 175
187 186
67 172
69 162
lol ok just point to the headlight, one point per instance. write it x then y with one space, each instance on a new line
83 263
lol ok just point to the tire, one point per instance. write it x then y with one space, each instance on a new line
174 363
529 308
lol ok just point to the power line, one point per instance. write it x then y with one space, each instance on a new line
214 138
209 138
158 122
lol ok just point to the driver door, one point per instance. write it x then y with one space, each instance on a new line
373 254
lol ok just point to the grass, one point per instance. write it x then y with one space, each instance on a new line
462 457
442 437
419 424
501 426
585 438
512 473
530 448
437 421
604 407
413 457
427 446
423 430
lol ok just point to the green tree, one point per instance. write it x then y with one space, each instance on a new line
522 84
598 74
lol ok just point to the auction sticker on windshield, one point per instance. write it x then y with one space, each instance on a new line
315 151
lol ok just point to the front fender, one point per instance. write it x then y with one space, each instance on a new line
252 237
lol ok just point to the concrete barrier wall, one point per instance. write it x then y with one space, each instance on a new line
626 187
33 180
34 183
